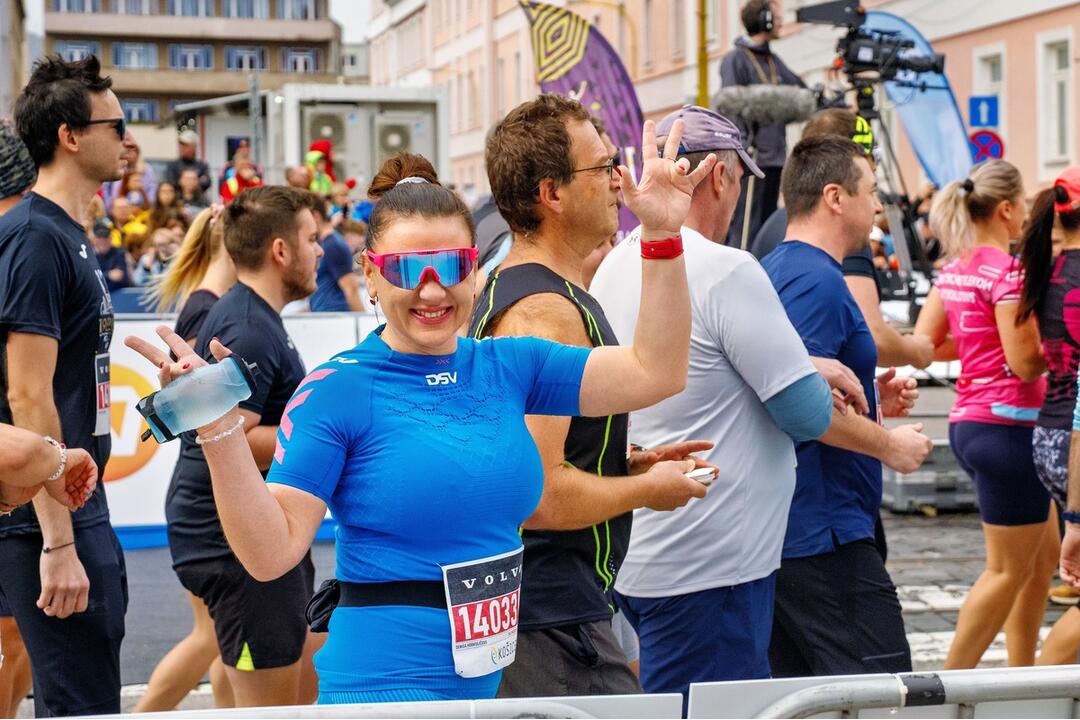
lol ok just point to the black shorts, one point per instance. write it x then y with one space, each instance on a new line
1000 459
837 614
259 625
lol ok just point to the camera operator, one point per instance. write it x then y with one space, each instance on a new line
752 62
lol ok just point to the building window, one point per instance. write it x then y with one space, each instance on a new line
1054 69
192 8
138 110
134 56
135 7
474 101
191 57
647 18
678 28
300 10
254 9
301 60
245 57
500 87
77 6
517 77
712 20
410 44
75 50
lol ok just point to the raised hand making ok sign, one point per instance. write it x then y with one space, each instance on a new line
661 200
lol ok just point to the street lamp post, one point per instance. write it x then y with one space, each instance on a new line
702 55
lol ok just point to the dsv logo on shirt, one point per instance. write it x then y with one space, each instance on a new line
443 378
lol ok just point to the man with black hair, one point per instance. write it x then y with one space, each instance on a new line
63 573
752 62
338 282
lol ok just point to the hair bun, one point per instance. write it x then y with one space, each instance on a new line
968 185
399 167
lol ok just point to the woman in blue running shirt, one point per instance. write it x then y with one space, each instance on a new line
416 441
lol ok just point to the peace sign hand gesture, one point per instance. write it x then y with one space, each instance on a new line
661 201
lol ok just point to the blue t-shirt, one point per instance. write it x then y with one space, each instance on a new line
424 461
336 263
837 492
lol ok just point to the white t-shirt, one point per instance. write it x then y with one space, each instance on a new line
743 350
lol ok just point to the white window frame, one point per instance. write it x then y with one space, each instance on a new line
130 106
679 26
982 85
712 23
89 6
258 53
149 52
647 35
1051 165
262 8
89 47
290 56
287 10
146 7
185 49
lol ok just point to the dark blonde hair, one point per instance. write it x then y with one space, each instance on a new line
962 203
397 200
201 244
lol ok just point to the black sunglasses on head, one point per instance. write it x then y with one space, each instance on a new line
119 124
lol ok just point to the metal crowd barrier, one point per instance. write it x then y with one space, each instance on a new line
1038 692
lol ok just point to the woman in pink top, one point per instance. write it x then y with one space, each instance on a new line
971 314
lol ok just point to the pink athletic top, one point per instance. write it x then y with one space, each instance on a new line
987 391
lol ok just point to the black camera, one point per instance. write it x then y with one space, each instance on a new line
861 51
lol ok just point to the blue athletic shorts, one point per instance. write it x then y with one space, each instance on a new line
999 459
707 636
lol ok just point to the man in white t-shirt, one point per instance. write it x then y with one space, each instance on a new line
698 586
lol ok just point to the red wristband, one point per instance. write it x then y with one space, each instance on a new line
665 249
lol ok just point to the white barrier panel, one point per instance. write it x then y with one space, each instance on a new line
138 473
660 707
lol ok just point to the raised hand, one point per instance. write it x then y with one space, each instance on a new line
74 487
186 358
661 201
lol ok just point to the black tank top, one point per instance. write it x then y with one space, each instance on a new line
567 575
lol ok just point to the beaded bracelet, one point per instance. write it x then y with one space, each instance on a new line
62 449
200 440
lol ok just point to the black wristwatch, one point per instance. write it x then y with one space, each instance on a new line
1071 517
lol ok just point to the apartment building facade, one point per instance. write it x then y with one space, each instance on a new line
480 50
164 52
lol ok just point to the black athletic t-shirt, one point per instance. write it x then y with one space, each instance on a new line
248 326
1059 326
193 314
567 576
50 284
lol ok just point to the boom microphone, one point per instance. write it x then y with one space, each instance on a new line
762 105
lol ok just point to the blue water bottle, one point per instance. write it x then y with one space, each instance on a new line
197 398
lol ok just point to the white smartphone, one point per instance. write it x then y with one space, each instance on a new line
705 476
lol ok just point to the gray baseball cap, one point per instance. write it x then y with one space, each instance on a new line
705 131
17 171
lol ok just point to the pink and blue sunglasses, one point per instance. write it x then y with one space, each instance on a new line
409 270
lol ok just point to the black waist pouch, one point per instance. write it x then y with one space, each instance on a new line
333 592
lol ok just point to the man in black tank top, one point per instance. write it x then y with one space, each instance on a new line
553 182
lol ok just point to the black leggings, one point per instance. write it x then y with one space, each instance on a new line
999 459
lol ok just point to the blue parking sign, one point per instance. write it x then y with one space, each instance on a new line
983 111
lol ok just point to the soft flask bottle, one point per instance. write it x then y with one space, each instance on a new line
197 398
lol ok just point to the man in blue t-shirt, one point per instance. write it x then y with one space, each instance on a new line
62 572
338 285
836 607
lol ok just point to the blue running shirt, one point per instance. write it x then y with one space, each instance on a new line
424 461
